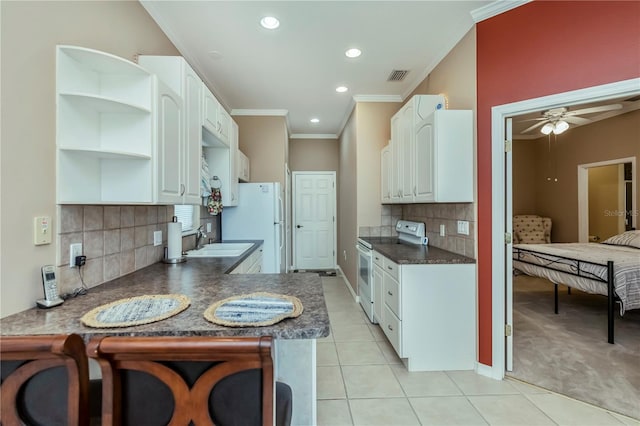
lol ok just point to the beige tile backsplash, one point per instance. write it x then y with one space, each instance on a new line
448 214
432 215
117 240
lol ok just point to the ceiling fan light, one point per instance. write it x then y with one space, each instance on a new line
560 127
547 128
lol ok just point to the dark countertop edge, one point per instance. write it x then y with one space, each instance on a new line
384 246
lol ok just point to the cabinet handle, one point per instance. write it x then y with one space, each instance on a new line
182 189
414 191
377 258
389 327
390 268
389 293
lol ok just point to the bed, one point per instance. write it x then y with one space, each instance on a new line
611 268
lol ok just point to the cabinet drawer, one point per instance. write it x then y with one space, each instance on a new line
391 326
378 259
392 296
391 268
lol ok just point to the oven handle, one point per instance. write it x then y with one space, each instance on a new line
366 252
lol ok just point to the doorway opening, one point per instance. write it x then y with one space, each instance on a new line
502 278
606 199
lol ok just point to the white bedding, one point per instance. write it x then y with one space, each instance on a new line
626 268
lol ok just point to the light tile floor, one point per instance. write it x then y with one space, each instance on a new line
361 381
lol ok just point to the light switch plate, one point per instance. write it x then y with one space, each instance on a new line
442 230
208 226
41 230
157 238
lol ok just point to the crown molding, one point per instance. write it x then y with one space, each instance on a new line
495 8
313 136
377 98
261 112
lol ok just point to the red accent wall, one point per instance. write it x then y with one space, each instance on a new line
538 49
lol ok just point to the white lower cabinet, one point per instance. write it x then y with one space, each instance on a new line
428 313
251 265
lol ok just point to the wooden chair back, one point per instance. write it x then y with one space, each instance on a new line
188 380
45 380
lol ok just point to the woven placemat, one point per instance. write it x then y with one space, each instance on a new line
136 310
253 310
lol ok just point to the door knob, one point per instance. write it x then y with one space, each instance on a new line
298 226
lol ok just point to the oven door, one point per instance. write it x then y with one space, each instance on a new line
365 280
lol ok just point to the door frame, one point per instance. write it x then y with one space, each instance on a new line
583 193
500 197
293 214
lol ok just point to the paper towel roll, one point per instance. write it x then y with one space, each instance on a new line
174 240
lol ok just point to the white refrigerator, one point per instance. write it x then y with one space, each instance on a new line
258 216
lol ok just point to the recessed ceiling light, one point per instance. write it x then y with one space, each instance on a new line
341 89
315 120
270 22
353 53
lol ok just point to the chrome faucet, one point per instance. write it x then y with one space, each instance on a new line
199 236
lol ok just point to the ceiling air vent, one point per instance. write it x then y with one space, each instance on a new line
397 75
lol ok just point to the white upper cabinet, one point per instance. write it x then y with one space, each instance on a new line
444 153
385 167
244 167
431 154
233 163
169 155
104 129
215 119
180 171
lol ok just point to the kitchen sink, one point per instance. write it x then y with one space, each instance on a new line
220 250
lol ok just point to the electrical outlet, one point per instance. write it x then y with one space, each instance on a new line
74 250
208 226
344 254
157 238
442 230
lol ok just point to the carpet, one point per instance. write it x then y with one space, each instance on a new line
568 353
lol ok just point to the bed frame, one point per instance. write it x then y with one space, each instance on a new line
576 268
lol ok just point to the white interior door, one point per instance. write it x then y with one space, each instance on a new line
314 226
508 216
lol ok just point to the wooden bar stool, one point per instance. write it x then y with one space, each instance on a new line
187 380
45 380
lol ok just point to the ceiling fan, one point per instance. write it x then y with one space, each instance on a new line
557 120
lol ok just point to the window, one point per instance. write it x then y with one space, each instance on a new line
188 216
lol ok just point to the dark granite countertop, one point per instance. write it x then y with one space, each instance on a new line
411 254
200 279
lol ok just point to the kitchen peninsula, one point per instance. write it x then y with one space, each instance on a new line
204 281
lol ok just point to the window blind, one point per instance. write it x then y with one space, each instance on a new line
184 213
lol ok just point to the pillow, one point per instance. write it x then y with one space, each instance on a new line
531 237
629 239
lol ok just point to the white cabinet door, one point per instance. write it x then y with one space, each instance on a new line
224 124
243 167
385 174
233 164
406 163
193 136
396 158
425 164
378 299
210 107
168 145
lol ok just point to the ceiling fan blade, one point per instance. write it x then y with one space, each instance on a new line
595 109
533 127
532 119
577 120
